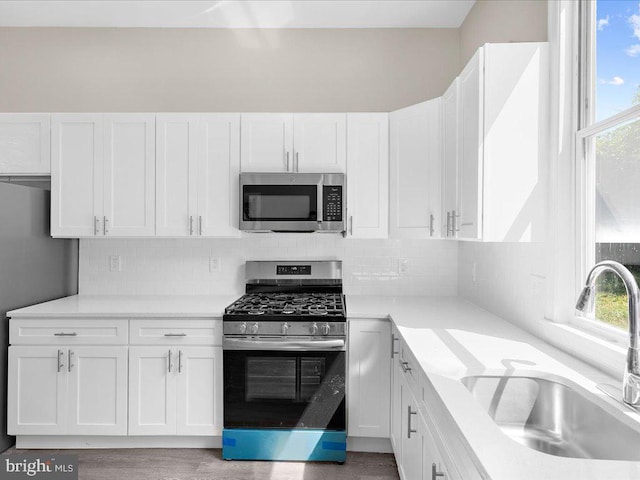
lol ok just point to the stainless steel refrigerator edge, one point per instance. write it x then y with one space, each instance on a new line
34 267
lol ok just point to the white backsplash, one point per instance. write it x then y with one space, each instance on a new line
507 279
182 266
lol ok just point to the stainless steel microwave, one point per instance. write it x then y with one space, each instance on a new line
292 202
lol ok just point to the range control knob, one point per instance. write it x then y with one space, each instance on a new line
313 328
325 329
254 329
243 328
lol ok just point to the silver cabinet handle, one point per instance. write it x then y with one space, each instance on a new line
175 334
179 361
351 225
435 473
405 366
394 339
190 225
70 360
297 161
286 156
96 223
65 334
409 429
431 228
60 357
448 223
105 221
199 224
169 360
454 227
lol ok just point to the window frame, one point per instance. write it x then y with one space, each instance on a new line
585 186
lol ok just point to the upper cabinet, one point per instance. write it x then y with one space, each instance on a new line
25 144
367 175
281 142
415 186
503 121
102 175
198 162
450 149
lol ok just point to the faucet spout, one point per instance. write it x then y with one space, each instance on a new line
584 305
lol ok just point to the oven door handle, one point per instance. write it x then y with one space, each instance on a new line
286 344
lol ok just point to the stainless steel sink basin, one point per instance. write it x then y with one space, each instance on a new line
553 418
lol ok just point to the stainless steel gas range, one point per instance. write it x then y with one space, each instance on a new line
285 364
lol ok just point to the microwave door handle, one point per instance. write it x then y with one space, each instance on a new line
319 201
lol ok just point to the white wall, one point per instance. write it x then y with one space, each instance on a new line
181 266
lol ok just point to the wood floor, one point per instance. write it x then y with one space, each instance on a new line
203 464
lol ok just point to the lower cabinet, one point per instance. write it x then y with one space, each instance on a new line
369 374
55 390
175 390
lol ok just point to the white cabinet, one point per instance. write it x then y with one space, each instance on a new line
319 142
367 175
102 172
175 390
450 136
369 376
503 123
67 390
197 175
267 142
285 142
25 144
415 177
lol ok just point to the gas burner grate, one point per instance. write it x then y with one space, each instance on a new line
293 304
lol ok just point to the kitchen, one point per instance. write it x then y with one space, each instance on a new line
428 205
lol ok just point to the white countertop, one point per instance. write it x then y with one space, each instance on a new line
129 306
450 338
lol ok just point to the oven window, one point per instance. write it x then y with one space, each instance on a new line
280 202
269 389
271 378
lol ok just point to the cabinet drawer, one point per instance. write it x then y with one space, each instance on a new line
160 331
411 369
68 331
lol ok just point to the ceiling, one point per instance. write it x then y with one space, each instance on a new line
236 13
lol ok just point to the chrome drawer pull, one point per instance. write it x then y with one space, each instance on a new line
175 334
409 429
405 366
60 357
435 473
65 334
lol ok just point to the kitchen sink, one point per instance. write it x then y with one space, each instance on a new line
554 418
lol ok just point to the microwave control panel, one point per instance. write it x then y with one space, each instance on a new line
332 203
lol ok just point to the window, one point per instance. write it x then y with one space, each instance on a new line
609 148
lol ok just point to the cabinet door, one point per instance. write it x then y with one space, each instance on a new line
471 151
97 399
396 396
369 378
37 391
25 144
199 390
176 175
267 142
368 175
319 142
76 175
450 137
411 438
218 195
415 171
129 175
152 391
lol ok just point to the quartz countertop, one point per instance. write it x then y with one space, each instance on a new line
451 338
129 306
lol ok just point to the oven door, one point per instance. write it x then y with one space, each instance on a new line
284 389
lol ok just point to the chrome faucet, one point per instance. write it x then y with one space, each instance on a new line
584 305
